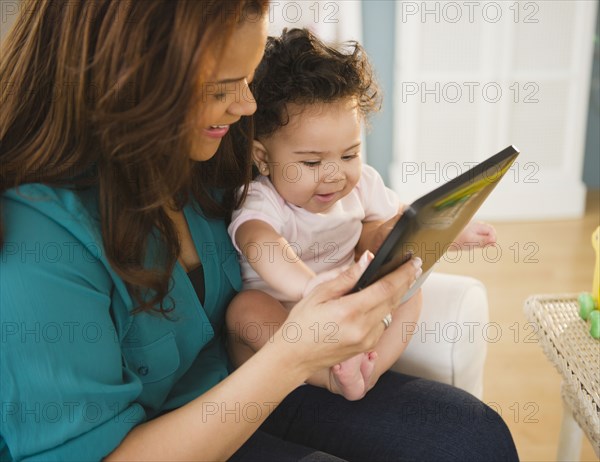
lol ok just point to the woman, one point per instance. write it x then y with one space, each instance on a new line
124 133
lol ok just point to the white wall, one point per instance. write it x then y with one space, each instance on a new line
332 21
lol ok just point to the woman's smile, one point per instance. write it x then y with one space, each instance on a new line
216 131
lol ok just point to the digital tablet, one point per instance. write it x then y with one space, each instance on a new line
428 227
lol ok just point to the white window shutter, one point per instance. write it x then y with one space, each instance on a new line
475 77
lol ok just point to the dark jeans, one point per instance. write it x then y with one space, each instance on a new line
402 418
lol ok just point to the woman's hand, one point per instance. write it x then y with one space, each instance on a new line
327 326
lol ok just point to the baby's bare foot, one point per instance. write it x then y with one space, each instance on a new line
367 367
351 377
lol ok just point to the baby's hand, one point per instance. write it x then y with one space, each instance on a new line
476 234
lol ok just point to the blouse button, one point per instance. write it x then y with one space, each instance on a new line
143 370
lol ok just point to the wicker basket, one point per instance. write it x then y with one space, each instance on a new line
566 340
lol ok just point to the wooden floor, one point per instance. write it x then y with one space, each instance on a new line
535 258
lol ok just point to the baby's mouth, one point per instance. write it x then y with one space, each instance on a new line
325 197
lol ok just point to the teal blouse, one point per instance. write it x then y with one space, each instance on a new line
77 370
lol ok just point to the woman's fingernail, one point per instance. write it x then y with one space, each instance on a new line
417 262
365 259
418 273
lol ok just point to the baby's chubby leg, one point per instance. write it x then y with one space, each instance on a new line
252 318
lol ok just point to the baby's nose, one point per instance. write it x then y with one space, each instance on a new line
333 172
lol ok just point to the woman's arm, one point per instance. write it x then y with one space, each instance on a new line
213 427
273 258
216 424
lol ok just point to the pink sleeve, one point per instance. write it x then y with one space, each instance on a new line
262 203
379 201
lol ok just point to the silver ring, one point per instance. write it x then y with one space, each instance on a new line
387 320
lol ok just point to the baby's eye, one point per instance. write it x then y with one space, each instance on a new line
350 156
311 163
220 96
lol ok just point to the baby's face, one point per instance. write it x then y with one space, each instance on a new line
314 160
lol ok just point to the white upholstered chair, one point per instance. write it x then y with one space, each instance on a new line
448 343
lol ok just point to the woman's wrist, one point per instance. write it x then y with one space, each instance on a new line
283 352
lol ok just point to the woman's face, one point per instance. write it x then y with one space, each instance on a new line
227 98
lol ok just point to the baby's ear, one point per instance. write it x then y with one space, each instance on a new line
260 157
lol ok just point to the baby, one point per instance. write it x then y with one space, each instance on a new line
304 212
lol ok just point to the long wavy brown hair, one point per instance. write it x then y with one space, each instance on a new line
102 94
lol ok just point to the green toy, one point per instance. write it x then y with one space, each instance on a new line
588 303
595 318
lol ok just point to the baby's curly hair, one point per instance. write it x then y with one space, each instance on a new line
299 68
